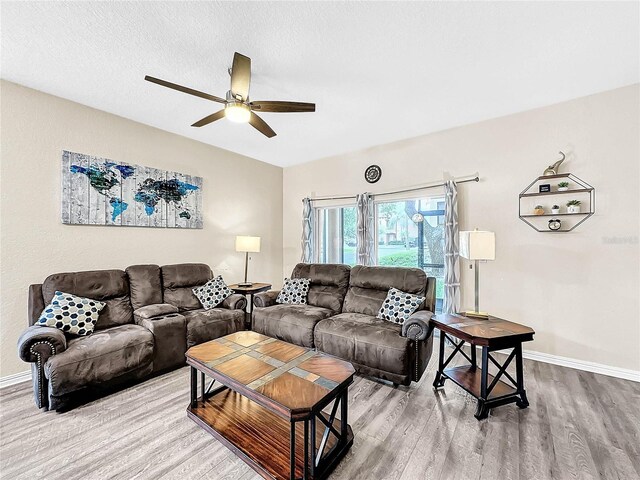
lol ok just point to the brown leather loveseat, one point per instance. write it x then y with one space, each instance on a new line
340 318
150 319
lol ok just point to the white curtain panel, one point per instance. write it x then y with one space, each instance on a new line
451 250
307 231
365 229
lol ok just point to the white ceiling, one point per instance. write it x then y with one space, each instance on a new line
378 72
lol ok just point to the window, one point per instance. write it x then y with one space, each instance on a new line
411 234
336 235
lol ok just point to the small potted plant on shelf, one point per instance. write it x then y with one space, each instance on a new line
573 206
555 209
538 210
563 186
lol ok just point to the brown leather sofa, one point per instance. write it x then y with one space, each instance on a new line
150 319
340 318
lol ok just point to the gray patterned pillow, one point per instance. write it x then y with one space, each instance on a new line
399 305
212 293
294 291
71 314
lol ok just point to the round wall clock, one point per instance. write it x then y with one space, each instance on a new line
373 173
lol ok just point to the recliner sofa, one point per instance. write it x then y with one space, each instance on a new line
150 319
340 318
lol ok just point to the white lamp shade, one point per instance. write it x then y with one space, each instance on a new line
247 244
478 245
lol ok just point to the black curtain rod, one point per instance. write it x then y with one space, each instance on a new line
345 197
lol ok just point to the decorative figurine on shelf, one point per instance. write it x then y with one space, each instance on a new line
553 169
555 224
573 206
538 210
555 209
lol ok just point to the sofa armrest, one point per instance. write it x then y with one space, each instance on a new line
155 310
38 343
234 302
417 325
265 299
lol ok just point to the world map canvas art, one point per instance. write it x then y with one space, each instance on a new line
98 191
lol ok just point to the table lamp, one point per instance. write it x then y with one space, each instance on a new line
477 245
248 245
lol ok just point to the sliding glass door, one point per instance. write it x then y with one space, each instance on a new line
411 234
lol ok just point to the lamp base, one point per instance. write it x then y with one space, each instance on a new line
471 313
245 284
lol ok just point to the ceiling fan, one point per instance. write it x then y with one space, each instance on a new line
237 106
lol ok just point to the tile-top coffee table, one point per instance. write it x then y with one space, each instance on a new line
269 407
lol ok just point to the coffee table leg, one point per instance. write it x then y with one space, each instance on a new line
292 450
194 387
313 445
305 473
522 402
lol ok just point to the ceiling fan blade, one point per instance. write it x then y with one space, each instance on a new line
240 76
209 119
285 107
188 90
260 125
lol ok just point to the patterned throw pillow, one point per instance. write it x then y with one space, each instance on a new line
212 293
399 305
294 291
71 314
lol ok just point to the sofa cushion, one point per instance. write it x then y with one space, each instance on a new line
368 286
71 314
204 325
146 285
100 357
212 293
399 306
108 286
178 282
294 291
365 340
291 323
329 283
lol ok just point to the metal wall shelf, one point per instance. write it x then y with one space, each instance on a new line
585 189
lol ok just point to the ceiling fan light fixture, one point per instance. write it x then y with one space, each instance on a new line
237 112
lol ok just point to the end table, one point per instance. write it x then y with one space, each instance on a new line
491 334
250 291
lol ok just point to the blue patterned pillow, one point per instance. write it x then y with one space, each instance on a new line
71 314
399 306
294 291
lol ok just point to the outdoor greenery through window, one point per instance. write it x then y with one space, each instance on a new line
411 234
336 230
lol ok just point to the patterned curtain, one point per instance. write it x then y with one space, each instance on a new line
451 250
366 229
307 231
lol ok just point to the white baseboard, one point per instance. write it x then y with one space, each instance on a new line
617 372
15 378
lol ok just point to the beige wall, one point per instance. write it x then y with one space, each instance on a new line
578 290
240 196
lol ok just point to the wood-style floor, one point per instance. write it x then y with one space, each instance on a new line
579 425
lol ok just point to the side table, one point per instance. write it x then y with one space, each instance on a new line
250 291
491 334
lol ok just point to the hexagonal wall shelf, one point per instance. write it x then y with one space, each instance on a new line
564 220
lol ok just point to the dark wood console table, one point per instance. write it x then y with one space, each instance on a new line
491 334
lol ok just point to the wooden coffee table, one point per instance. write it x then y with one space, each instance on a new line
491 334
269 406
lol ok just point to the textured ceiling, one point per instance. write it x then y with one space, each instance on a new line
378 72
